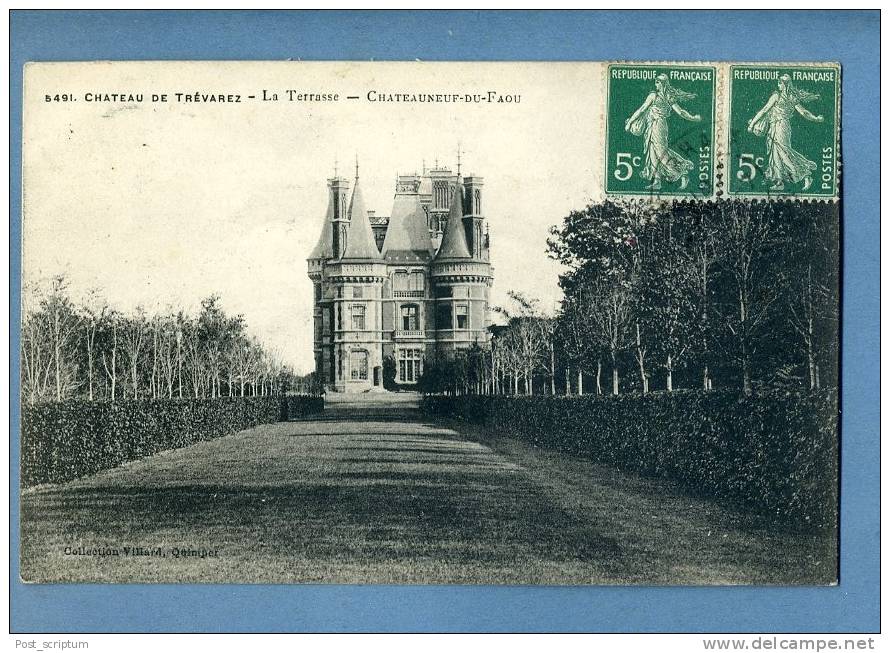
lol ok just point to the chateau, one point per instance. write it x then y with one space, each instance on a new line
413 286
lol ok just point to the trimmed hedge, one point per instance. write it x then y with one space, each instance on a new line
772 453
66 440
295 406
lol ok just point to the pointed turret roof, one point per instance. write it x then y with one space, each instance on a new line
407 236
360 242
324 247
454 241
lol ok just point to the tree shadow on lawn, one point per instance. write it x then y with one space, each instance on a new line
439 439
434 450
479 461
386 417
348 429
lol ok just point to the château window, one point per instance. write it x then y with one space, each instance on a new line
410 365
462 316
441 196
317 292
358 317
416 283
357 292
358 365
409 318
443 316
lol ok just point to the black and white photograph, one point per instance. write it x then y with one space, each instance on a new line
412 323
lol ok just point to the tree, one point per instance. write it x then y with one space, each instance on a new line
134 337
703 246
36 359
65 342
165 354
751 241
62 321
575 333
602 248
611 320
527 341
194 358
109 338
668 296
813 288
745 289
635 246
95 315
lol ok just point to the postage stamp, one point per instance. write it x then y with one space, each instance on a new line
660 130
783 136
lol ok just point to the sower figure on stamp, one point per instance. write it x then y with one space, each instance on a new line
785 163
651 122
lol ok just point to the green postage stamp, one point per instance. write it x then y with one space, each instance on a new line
709 130
783 137
660 126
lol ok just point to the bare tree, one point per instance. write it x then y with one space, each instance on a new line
194 357
510 356
110 349
134 340
86 349
36 357
62 321
95 317
528 342
165 353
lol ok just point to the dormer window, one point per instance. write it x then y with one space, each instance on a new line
400 281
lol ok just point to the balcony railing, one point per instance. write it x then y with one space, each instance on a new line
403 333
407 293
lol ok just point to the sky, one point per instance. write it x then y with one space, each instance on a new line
160 204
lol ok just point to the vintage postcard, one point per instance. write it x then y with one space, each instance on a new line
430 323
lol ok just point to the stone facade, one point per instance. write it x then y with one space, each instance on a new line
412 287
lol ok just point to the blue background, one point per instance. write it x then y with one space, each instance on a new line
851 38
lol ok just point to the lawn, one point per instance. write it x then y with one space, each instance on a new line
384 500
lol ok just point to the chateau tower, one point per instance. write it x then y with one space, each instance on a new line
405 289
461 279
473 217
339 188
